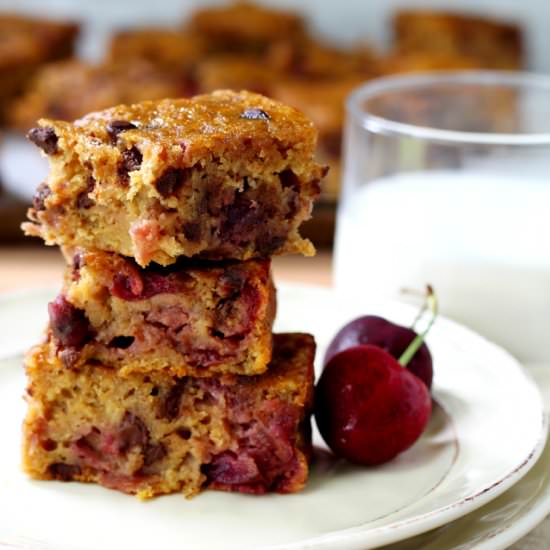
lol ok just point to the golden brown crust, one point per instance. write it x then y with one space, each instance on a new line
204 124
221 176
154 434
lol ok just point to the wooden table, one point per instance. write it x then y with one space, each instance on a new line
38 266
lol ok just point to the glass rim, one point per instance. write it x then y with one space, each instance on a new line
381 125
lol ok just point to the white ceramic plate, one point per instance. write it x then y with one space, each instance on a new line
504 520
476 447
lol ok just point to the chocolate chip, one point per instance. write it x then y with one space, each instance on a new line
255 114
184 433
292 206
45 138
242 213
78 261
192 231
153 453
170 406
232 281
63 472
215 196
83 200
289 180
87 444
132 432
121 342
241 218
69 324
224 311
48 445
77 265
171 181
267 244
116 127
131 160
40 196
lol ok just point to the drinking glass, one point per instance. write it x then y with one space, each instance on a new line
447 182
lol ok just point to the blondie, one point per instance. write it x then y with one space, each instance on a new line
190 318
26 43
229 175
492 43
236 72
69 89
245 27
162 46
153 434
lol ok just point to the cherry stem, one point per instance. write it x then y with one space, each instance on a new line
424 307
413 347
420 314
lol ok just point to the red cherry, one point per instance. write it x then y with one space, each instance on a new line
368 407
371 329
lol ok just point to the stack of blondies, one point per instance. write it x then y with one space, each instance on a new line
159 372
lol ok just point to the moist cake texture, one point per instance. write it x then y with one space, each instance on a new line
154 434
228 175
191 318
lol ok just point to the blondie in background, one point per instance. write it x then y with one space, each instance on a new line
344 21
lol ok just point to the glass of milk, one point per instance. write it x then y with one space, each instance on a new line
447 181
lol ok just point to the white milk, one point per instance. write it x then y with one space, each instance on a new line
482 241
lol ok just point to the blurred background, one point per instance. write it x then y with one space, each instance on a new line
61 59
344 21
